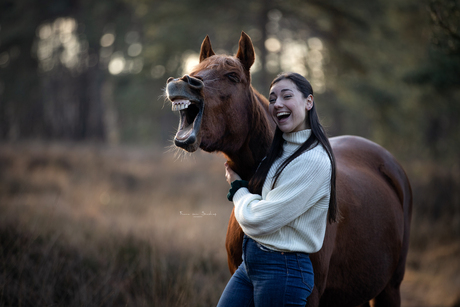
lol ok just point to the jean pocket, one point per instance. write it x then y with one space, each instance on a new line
306 270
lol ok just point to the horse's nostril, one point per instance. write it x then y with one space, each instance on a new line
192 82
196 83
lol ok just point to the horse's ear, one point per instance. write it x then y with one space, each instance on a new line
206 49
246 53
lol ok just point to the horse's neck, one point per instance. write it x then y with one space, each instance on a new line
246 160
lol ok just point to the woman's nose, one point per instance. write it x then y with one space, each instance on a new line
278 103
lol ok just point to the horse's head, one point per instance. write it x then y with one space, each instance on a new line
214 100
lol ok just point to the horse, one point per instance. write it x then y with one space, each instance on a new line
362 260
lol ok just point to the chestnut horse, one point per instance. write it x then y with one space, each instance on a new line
363 256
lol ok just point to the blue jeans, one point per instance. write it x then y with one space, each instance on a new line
269 278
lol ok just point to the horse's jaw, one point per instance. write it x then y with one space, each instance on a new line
186 97
188 135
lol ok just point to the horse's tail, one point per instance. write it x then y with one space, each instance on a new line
397 177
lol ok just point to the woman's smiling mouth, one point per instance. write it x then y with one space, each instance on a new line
282 115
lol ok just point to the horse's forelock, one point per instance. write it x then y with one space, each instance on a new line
220 62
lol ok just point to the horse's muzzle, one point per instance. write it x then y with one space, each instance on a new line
186 97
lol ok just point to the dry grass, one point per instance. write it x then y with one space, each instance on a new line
433 276
99 226
95 226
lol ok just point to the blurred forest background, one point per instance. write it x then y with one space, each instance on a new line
82 109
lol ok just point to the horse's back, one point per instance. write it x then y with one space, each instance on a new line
371 239
366 159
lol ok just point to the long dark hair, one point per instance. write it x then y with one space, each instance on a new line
317 136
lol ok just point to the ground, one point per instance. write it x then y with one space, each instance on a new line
146 224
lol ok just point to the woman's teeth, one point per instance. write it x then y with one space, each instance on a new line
282 114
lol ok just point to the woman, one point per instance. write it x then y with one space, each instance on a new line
285 207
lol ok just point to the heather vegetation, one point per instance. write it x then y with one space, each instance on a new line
96 226
87 225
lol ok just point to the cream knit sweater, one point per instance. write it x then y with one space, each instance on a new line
291 217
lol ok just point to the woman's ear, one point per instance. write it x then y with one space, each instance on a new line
309 103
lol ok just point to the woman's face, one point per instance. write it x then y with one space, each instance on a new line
288 107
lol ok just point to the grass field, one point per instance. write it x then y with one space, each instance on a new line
88 225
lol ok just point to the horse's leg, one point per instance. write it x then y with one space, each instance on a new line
313 299
391 295
234 244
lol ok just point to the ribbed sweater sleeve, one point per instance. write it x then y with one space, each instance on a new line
298 184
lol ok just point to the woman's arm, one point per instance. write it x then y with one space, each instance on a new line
230 174
301 184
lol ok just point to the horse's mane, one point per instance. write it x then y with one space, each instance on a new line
263 126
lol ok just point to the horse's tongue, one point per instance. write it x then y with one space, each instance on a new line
184 133
188 136
185 128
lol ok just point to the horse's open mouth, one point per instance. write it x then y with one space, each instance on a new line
187 136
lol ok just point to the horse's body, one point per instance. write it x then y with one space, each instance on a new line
363 256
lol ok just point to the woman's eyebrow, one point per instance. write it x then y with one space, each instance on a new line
283 90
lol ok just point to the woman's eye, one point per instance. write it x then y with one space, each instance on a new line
287 96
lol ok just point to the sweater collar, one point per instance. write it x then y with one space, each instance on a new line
298 137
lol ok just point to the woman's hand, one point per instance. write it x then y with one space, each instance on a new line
230 175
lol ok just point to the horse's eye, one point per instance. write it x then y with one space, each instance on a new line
233 77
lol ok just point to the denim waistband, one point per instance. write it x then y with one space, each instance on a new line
247 238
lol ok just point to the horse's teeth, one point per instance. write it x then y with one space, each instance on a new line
180 105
